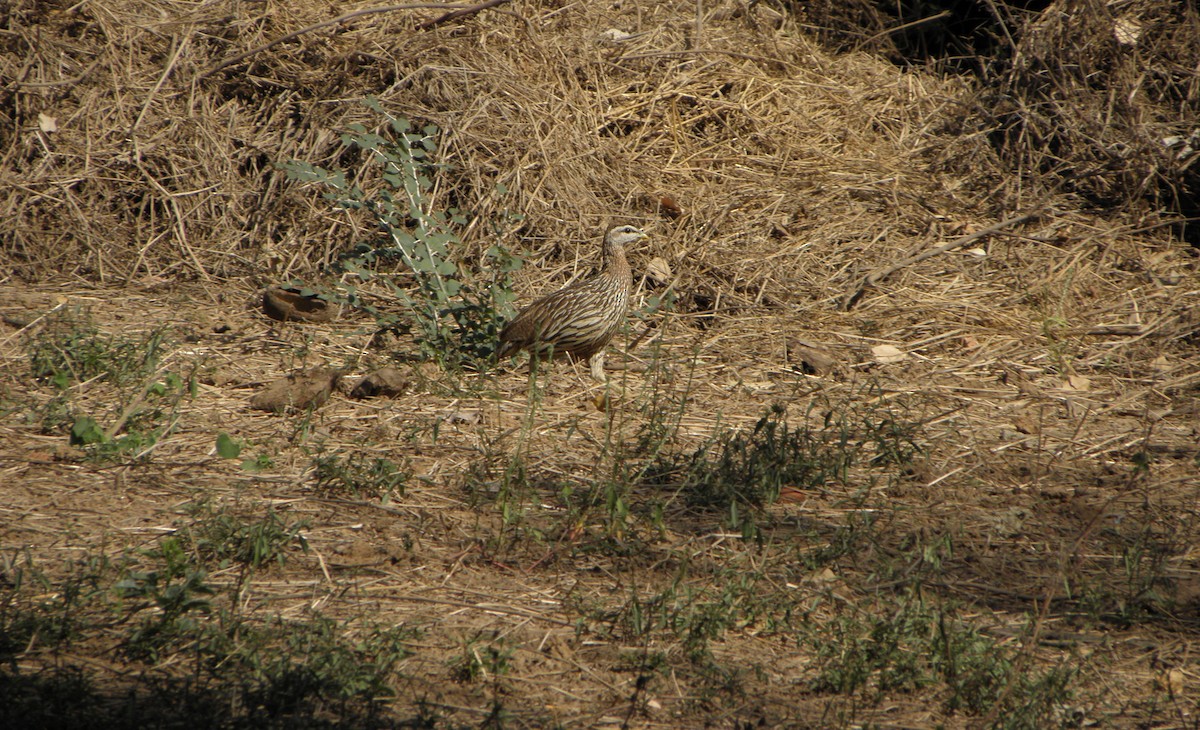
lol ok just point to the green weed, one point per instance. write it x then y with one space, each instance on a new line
228 447
740 471
695 613
39 612
454 314
289 667
172 597
481 659
159 606
1136 587
217 537
359 475
70 349
910 645
148 417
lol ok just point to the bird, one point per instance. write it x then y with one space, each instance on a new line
580 319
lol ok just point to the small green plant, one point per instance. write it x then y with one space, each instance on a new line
231 448
514 491
38 611
292 666
481 660
359 475
70 351
219 537
903 648
1136 586
48 696
70 348
696 615
740 470
187 629
150 416
172 596
454 315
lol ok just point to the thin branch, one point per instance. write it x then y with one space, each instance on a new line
907 26
61 82
704 51
879 275
460 13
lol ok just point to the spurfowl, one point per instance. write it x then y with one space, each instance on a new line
580 319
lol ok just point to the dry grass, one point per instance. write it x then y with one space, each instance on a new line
1052 366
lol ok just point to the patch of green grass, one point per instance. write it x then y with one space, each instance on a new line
218 537
70 348
146 419
72 354
51 697
290 667
169 599
358 475
1136 585
908 645
740 471
696 610
39 612
482 659
231 448
184 644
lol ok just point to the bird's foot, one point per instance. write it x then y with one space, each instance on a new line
597 366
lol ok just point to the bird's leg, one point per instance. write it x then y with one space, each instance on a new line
597 364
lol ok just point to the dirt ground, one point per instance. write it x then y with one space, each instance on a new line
1009 539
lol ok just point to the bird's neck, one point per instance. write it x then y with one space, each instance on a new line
614 263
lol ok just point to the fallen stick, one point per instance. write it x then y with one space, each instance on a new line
879 275
453 14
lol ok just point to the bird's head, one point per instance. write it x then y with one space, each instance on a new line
622 235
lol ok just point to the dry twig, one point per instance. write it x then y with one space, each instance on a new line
880 274
460 13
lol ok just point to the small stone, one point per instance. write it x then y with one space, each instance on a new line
297 392
387 382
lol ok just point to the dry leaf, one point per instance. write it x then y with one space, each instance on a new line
1127 30
826 575
289 306
603 402
1026 425
887 354
1171 680
791 494
613 35
810 359
669 207
658 270
1077 382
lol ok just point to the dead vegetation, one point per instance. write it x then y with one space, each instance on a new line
979 510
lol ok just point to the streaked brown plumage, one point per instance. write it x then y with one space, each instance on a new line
580 319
